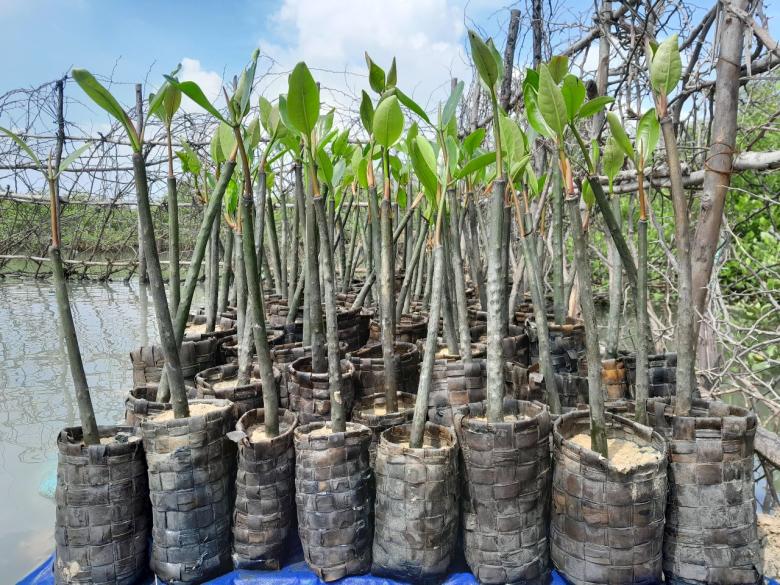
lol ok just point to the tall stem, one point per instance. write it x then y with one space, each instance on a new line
495 313
686 344
226 274
387 298
164 325
174 268
337 411
598 430
313 297
458 271
559 297
615 290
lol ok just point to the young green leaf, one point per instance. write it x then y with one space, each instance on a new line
367 112
535 119
483 61
512 139
452 104
190 163
412 105
227 139
244 88
72 157
392 75
388 122
559 67
23 145
103 98
193 91
616 127
265 113
594 106
573 91
647 133
473 141
376 76
666 66
424 163
475 164
551 103
303 100
613 159
324 166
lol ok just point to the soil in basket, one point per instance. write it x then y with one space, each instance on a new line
257 432
195 410
769 536
507 418
231 383
623 455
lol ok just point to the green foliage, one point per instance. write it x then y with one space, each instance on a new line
388 122
303 100
666 67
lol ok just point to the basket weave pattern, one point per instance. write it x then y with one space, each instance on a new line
102 518
190 467
334 500
416 512
607 526
507 474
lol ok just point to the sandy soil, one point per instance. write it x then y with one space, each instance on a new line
195 410
257 432
623 455
769 536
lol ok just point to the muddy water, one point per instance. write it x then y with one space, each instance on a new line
37 397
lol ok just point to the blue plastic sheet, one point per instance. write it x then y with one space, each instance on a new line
294 573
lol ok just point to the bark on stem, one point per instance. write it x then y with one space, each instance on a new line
495 313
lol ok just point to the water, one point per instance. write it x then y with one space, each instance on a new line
37 397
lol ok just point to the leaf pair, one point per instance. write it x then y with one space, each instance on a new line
49 173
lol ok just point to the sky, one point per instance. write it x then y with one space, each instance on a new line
141 40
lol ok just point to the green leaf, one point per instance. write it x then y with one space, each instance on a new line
252 138
303 100
388 122
512 140
265 114
452 104
103 98
532 112
190 163
227 139
285 116
594 106
666 67
473 141
412 105
559 67
401 198
616 127
376 76
367 112
424 164
475 164
392 75
324 166
647 133
573 91
193 91
483 60
587 194
72 157
23 145
613 159
244 87
497 58
550 102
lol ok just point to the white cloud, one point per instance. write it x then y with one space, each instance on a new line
209 81
425 36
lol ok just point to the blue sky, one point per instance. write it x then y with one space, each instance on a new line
141 40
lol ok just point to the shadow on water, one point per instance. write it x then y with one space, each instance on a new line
37 397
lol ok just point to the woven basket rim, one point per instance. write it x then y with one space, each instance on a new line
404 431
68 441
289 417
294 368
540 418
593 459
224 407
353 430
699 404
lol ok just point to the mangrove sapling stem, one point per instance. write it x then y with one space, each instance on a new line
261 193
615 290
242 311
213 281
642 382
337 414
428 290
280 278
313 299
213 209
686 344
374 230
296 299
475 259
86 411
464 335
255 300
347 279
227 274
614 230
429 354
412 269
559 299
284 246
387 298
297 229
168 340
495 312
598 429
450 330
173 240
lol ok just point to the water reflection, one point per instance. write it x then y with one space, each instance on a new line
37 397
